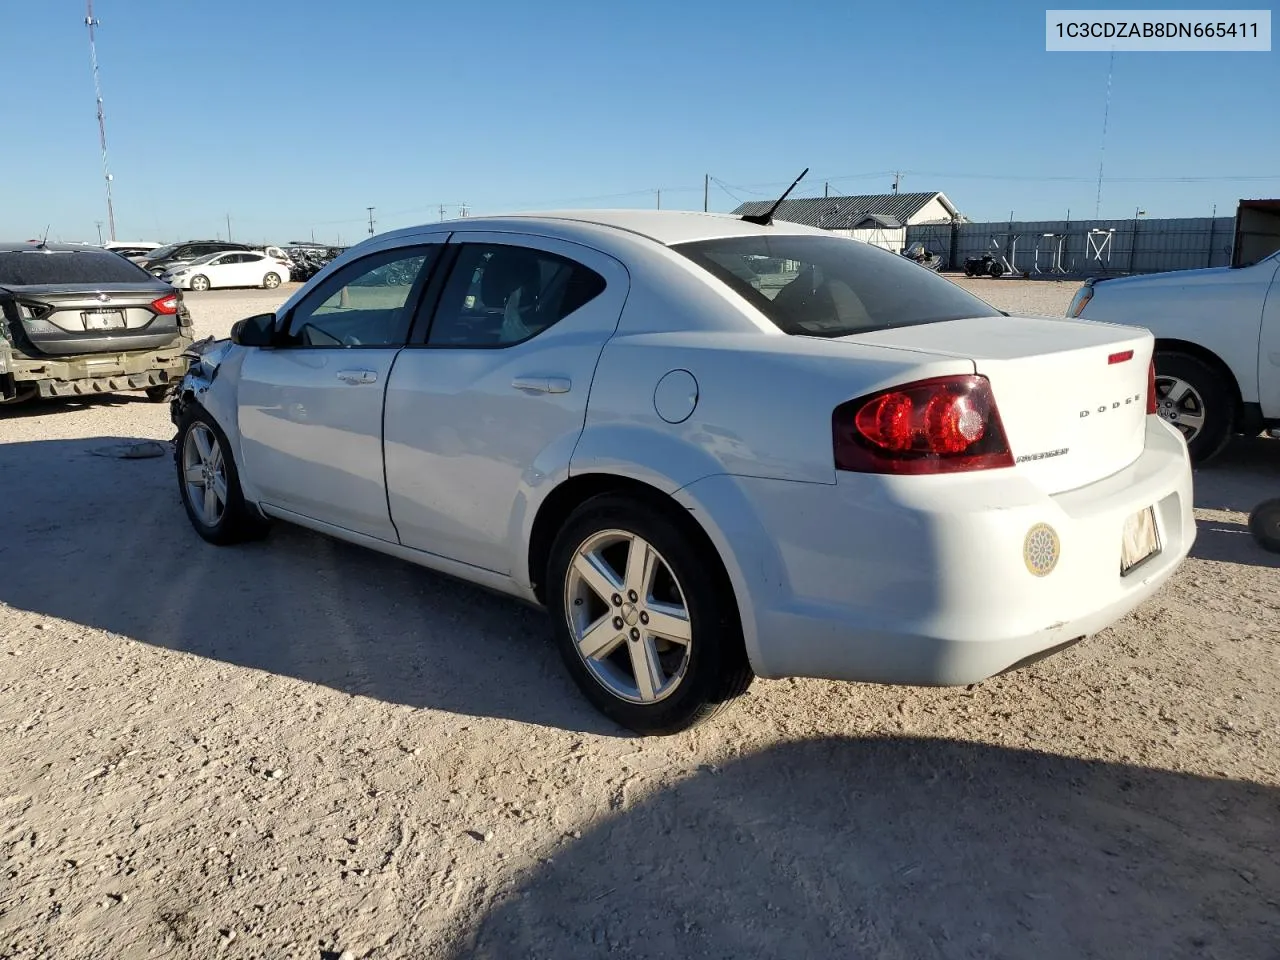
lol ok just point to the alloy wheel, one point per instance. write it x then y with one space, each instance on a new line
1179 403
628 617
204 472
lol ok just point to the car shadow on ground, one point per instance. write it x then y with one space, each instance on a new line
104 542
42 407
911 849
1238 479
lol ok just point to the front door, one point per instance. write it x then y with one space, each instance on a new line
487 402
311 411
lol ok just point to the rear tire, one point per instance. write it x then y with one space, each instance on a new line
203 458
271 281
160 393
686 593
1264 524
1194 397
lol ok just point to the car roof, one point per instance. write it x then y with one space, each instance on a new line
12 246
666 227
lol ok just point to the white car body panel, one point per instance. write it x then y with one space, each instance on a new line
312 441
1232 312
856 576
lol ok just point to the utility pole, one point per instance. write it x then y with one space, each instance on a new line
897 178
659 198
826 188
706 191
370 209
98 224
91 22
442 211
228 226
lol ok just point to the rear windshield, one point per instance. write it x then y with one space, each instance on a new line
33 268
832 286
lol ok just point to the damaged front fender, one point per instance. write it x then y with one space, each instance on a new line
205 357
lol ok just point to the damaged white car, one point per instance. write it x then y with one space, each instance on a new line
712 447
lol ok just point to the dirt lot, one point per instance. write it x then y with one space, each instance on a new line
300 749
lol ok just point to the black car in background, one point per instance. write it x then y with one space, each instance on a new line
78 320
166 257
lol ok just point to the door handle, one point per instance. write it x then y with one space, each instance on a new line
357 376
542 384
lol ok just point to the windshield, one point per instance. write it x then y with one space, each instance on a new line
161 252
207 257
819 286
34 268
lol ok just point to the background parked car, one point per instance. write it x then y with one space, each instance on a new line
164 259
135 251
237 268
1217 344
81 320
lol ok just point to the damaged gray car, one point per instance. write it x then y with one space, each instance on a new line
78 321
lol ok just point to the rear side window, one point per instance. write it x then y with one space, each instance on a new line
498 295
819 286
32 268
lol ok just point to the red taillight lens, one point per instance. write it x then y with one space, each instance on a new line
166 305
1151 388
943 425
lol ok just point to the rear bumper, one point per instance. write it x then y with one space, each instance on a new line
922 580
94 372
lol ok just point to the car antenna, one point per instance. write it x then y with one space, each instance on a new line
764 219
44 241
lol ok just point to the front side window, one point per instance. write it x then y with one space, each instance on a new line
498 295
369 303
832 286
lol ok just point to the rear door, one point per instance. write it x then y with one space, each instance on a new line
310 413
489 399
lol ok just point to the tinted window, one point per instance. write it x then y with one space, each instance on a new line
161 253
80 266
498 295
368 303
832 286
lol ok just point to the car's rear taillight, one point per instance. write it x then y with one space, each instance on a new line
941 425
1151 388
166 305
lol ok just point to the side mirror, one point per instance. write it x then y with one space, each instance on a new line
258 331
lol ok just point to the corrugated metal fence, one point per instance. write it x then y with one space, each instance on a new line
1079 248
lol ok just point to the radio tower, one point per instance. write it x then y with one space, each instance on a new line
91 22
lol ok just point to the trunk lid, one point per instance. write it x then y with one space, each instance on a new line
61 319
1072 394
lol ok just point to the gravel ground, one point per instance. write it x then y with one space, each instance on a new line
301 749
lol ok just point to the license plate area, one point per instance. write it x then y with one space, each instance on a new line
1140 540
103 319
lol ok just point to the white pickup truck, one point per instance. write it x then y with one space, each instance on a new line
1217 336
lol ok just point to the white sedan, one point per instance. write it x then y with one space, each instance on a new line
236 268
712 449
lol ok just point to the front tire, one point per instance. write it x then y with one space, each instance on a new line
1194 397
271 281
209 482
644 617
200 283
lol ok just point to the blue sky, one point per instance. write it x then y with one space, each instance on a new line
294 117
